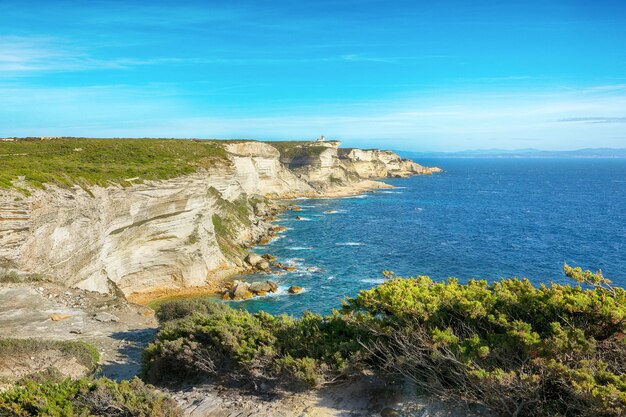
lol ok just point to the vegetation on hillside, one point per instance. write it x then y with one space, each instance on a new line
86 397
229 219
12 277
85 354
207 338
103 162
48 392
521 350
290 150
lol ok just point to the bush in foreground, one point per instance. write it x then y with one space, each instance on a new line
212 338
86 397
554 350
521 350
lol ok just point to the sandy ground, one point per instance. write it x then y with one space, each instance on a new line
25 312
366 396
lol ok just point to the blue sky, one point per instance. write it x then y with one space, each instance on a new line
441 75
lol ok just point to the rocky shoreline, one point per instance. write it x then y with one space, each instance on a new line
221 282
185 235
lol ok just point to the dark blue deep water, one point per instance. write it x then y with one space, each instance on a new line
482 218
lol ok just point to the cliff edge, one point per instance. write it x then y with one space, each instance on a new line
142 234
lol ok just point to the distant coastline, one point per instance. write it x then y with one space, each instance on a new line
521 153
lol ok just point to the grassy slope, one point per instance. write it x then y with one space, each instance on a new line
103 161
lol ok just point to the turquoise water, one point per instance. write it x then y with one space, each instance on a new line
484 218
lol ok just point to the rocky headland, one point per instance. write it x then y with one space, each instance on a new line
146 239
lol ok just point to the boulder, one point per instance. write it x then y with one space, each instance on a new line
252 259
268 257
263 265
298 218
240 290
294 289
257 287
273 286
227 296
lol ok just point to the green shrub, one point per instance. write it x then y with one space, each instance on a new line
178 309
521 350
13 277
86 397
551 350
216 339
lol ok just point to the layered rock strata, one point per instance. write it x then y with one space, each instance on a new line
177 233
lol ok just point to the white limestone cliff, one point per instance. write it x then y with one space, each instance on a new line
169 234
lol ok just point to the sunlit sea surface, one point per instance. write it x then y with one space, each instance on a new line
481 218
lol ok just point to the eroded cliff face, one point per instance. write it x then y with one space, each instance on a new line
375 163
182 232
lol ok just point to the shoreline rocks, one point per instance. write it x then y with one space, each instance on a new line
241 290
294 289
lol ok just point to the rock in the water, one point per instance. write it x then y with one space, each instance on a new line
273 286
252 259
298 218
240 290
257 287
268 257
294 289
105 317
263 265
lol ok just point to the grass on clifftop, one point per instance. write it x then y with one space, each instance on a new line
69 161
297 149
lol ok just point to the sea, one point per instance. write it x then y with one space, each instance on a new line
481 218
